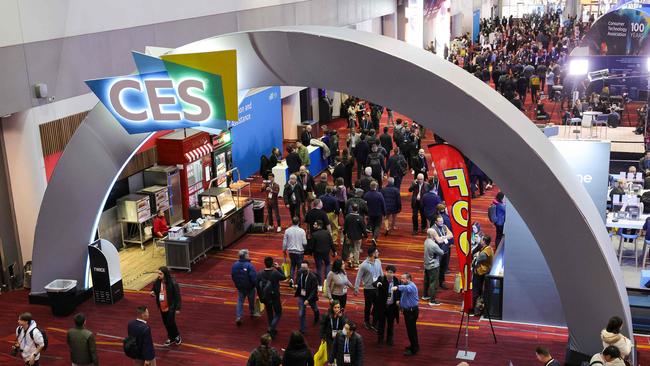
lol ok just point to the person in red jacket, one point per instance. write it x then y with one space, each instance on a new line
160 227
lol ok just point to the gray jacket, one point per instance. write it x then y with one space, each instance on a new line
432 253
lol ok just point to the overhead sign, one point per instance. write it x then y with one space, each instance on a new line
454 182
620 32
174 91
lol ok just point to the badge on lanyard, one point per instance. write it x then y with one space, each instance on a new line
347 358
303 292
270 195
334 333
161 297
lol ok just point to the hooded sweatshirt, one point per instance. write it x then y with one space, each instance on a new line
599 358
26 343
618 340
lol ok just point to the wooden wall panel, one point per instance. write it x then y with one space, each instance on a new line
56 134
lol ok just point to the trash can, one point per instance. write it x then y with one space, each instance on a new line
258 211
62 295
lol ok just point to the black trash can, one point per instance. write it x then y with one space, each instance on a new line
258 211
62 294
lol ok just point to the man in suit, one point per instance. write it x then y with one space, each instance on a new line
339 169
386 304
293 196
305 137
140 330
418 188
419 164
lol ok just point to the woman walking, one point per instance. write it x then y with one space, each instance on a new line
338 283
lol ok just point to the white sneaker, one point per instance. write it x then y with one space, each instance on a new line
434 303
269 228
279 229
426 298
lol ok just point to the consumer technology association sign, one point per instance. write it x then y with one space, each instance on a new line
174 91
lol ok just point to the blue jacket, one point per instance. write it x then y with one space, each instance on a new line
330 203
500 213
243 275
392 199
429 202
376 203
142 334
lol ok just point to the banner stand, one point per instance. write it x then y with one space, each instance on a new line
465 354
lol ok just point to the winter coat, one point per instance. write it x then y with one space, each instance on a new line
392 199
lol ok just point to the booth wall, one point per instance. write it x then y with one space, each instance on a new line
290 117
529 293
8 238
258 131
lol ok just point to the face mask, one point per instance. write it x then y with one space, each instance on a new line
345 332
474 229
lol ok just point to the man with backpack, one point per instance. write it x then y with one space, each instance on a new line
375 162
497 216
30 340
138 345
268 290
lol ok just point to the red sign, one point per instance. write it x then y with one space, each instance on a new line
454 183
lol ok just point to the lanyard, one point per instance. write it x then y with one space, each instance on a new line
337 323
440 230
346 346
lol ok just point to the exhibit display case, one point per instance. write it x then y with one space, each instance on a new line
217 202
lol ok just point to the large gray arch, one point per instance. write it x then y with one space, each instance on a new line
443 97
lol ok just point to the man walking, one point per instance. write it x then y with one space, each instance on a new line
386 142
369 272
268 290
294 242
393 203
293 194
81 341
418 189
386 304
307 294
354 228
409 306
397 167
322 244
376 208
244 277
432 254
139 330
272 190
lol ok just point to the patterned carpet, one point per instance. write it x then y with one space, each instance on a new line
211 337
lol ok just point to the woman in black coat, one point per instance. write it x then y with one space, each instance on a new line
297 352
332 324
168 298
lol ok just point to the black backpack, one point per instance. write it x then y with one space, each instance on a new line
375 163
131 348
265 289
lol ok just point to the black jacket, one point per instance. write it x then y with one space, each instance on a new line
363 206
361 152
354 227
275 276
322 243
386 142
142 334
339 172
173 294
419 164
414 189
328 323
306 183
296 191
298 357
382 295
305 138
364 183
293 162
355 345
256 358
397 165
310 283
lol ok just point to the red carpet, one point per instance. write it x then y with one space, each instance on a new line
211 337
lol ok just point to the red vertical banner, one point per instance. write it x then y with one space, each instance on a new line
454 182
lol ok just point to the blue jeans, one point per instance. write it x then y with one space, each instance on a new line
320 260
242 295
296 260
398 182
302 312
273 313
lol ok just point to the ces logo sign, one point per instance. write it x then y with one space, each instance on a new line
175 91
